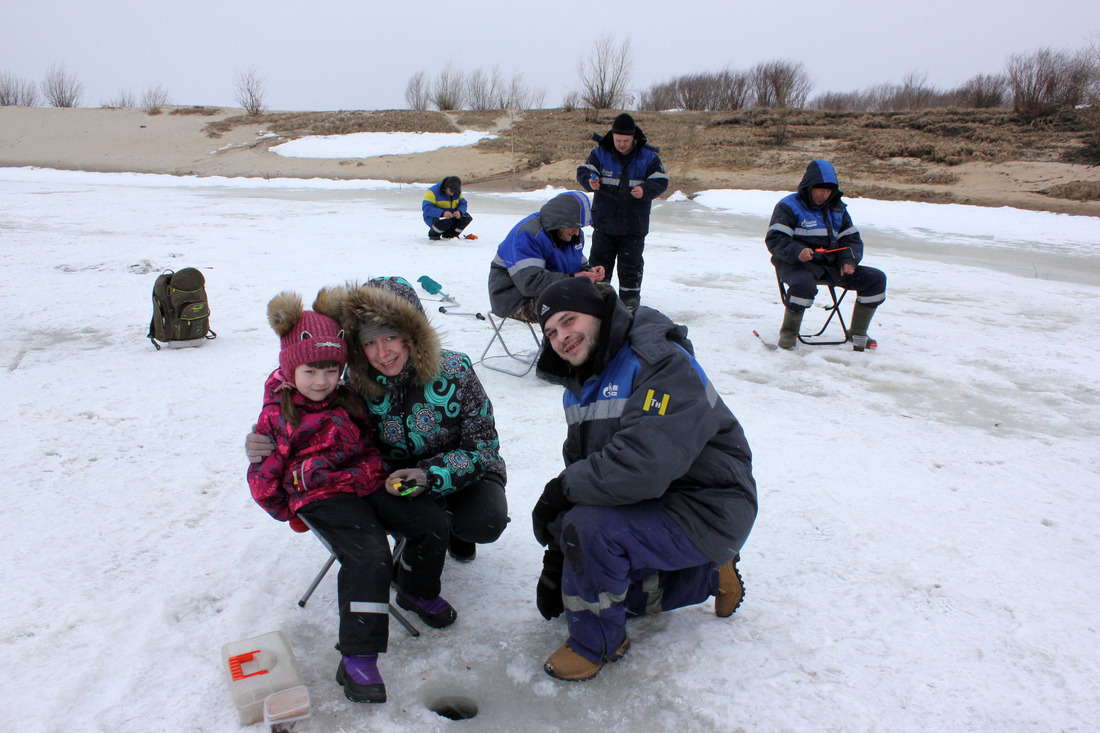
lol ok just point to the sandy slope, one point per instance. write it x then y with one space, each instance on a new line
131 140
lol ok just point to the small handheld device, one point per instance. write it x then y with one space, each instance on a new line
404 488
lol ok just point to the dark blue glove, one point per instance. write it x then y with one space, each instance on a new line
550 505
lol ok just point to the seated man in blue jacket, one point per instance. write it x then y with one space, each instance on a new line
657 496
541 249
812 239
445 209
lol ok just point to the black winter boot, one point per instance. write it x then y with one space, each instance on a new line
788 332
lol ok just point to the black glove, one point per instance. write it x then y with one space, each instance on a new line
551 504
548 593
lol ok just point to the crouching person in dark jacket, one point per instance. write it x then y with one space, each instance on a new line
657 496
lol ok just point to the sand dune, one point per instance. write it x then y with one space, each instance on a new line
178 142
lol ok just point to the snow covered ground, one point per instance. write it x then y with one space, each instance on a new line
927 547
368 144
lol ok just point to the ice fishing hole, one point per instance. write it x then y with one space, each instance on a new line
454 707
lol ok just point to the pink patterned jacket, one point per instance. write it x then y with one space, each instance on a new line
326 455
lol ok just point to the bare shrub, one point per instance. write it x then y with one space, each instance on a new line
658 97
780 83
483 89
448 90
1091 152
249 91
1076 190
516 95
417 92
123 100
984 91
571 101
154 97
704 92
1046 80
914 92
604 74
60 88
911 94
733 91
17 92
842 101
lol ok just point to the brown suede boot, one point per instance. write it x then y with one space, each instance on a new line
788 332
566 664
731 589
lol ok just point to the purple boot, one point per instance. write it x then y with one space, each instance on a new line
435 612
359 677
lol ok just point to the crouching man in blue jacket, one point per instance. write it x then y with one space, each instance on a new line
444 209
657 496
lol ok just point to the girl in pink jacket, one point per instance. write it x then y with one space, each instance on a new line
319 476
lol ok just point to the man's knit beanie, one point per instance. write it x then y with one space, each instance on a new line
577 294
623 125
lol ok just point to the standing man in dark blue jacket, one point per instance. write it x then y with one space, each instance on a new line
657 496
625 174
812 239
444 209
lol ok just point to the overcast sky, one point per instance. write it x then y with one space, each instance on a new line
344 54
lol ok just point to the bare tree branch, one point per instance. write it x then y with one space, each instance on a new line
154 97
249 91
780 83
123 100
448 90
17 92
60 88
417 92
605 75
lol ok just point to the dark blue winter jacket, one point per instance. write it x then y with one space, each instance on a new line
531 256
436 201
796 224
614 210
647 424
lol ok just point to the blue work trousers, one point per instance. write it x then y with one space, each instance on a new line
868 282
626 561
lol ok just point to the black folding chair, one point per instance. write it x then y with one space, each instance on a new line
814 339
398 548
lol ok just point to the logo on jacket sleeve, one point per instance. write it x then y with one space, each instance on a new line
656 402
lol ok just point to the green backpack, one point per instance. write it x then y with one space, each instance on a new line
181 313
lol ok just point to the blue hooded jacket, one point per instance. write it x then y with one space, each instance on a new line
796 224
532 257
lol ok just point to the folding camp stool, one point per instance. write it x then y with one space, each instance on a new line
524 361
814 339
398 548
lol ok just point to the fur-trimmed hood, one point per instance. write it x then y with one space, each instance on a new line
393 302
